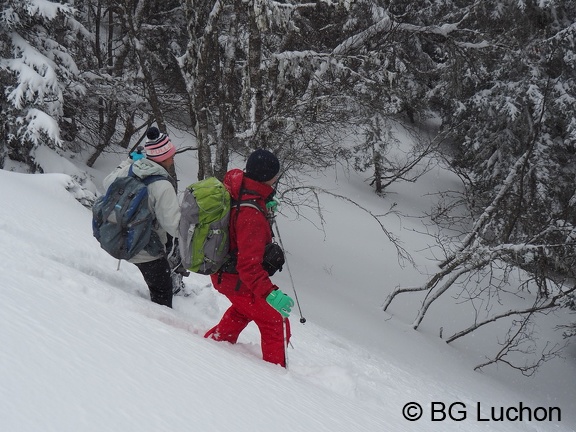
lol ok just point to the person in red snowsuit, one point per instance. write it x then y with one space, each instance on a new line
250 289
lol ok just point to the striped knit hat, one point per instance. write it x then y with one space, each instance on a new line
158 147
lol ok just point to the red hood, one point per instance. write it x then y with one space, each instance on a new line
234 181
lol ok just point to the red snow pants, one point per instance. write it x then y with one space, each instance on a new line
245 309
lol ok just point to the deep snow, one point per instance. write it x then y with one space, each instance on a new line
83 348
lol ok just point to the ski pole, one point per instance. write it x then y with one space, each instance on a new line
302 319
285 334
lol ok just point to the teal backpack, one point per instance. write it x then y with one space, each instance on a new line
122 221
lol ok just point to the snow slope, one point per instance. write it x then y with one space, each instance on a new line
83 348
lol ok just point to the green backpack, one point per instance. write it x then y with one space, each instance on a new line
203 228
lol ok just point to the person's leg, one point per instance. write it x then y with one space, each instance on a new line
229 327
274 334
244 309
157 276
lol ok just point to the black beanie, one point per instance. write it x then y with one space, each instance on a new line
262 166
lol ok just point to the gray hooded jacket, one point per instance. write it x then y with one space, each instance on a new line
162 200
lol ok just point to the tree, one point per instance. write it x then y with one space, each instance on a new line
514 148
296 75
38 75
133 80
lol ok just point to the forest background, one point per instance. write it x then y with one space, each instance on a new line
487 86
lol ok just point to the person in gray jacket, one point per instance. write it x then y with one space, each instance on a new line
163 202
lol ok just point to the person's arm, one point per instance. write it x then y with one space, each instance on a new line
166 206
252 234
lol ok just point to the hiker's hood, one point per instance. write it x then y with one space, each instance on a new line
144 168
234 180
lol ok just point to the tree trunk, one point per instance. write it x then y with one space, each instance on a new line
201 108
132 23
152 94
106 135
207 51
4 128
377 170
255 77
229 99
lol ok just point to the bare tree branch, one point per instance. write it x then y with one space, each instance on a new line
403 254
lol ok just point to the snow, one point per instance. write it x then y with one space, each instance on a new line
84 349
46 8
38 122
37 77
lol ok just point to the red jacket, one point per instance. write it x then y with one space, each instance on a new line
250 232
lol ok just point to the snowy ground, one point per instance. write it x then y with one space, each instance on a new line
83 349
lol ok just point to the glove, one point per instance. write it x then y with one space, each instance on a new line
281 302
272 205
138 154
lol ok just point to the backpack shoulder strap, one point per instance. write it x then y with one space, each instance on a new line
230 265
247 202
151 179
251 203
